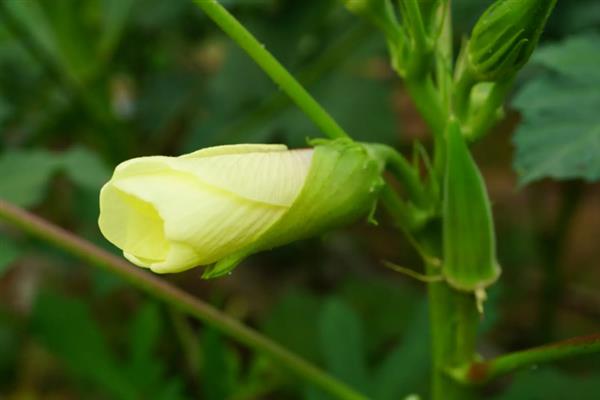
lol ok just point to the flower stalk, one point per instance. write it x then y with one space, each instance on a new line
483 371
272 67
183 301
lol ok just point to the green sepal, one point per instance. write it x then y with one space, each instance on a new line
224 266
342 185
468 231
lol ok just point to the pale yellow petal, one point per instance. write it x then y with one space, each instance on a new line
142 166
170 214
236 149
213 222
274 177
131 224
179 258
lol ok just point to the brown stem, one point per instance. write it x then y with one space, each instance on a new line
174 296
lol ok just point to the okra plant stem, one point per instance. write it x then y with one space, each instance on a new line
481 372
453 320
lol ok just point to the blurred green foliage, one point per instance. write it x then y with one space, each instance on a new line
560 133
87 84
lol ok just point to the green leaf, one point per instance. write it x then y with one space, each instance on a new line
65 326
24 176
9 252
219 371
576 16
26 173
145 369
10 349
550 384
376 300
293 321
31 15
85 168
115 14
560 133
406 366
144 333
342 343
577 57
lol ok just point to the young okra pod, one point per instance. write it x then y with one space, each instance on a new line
468 231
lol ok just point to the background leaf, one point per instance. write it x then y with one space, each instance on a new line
28 172
559 136
550 384
342 343
85 168
25 175
405 368
9 253
219 366
65 326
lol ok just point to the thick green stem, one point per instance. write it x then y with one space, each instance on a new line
453 321
427 101
462 95
444 51
272 67
481 372
175 297
414 20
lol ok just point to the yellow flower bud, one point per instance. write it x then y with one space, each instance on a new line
223 203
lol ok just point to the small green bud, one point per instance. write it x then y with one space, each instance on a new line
468 231
505 36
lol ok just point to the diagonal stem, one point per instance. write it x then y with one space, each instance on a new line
484 371
278 102
272 67
175 297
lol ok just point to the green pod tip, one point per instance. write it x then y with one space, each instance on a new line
505 36
468 232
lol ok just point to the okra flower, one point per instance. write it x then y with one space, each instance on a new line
220 204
